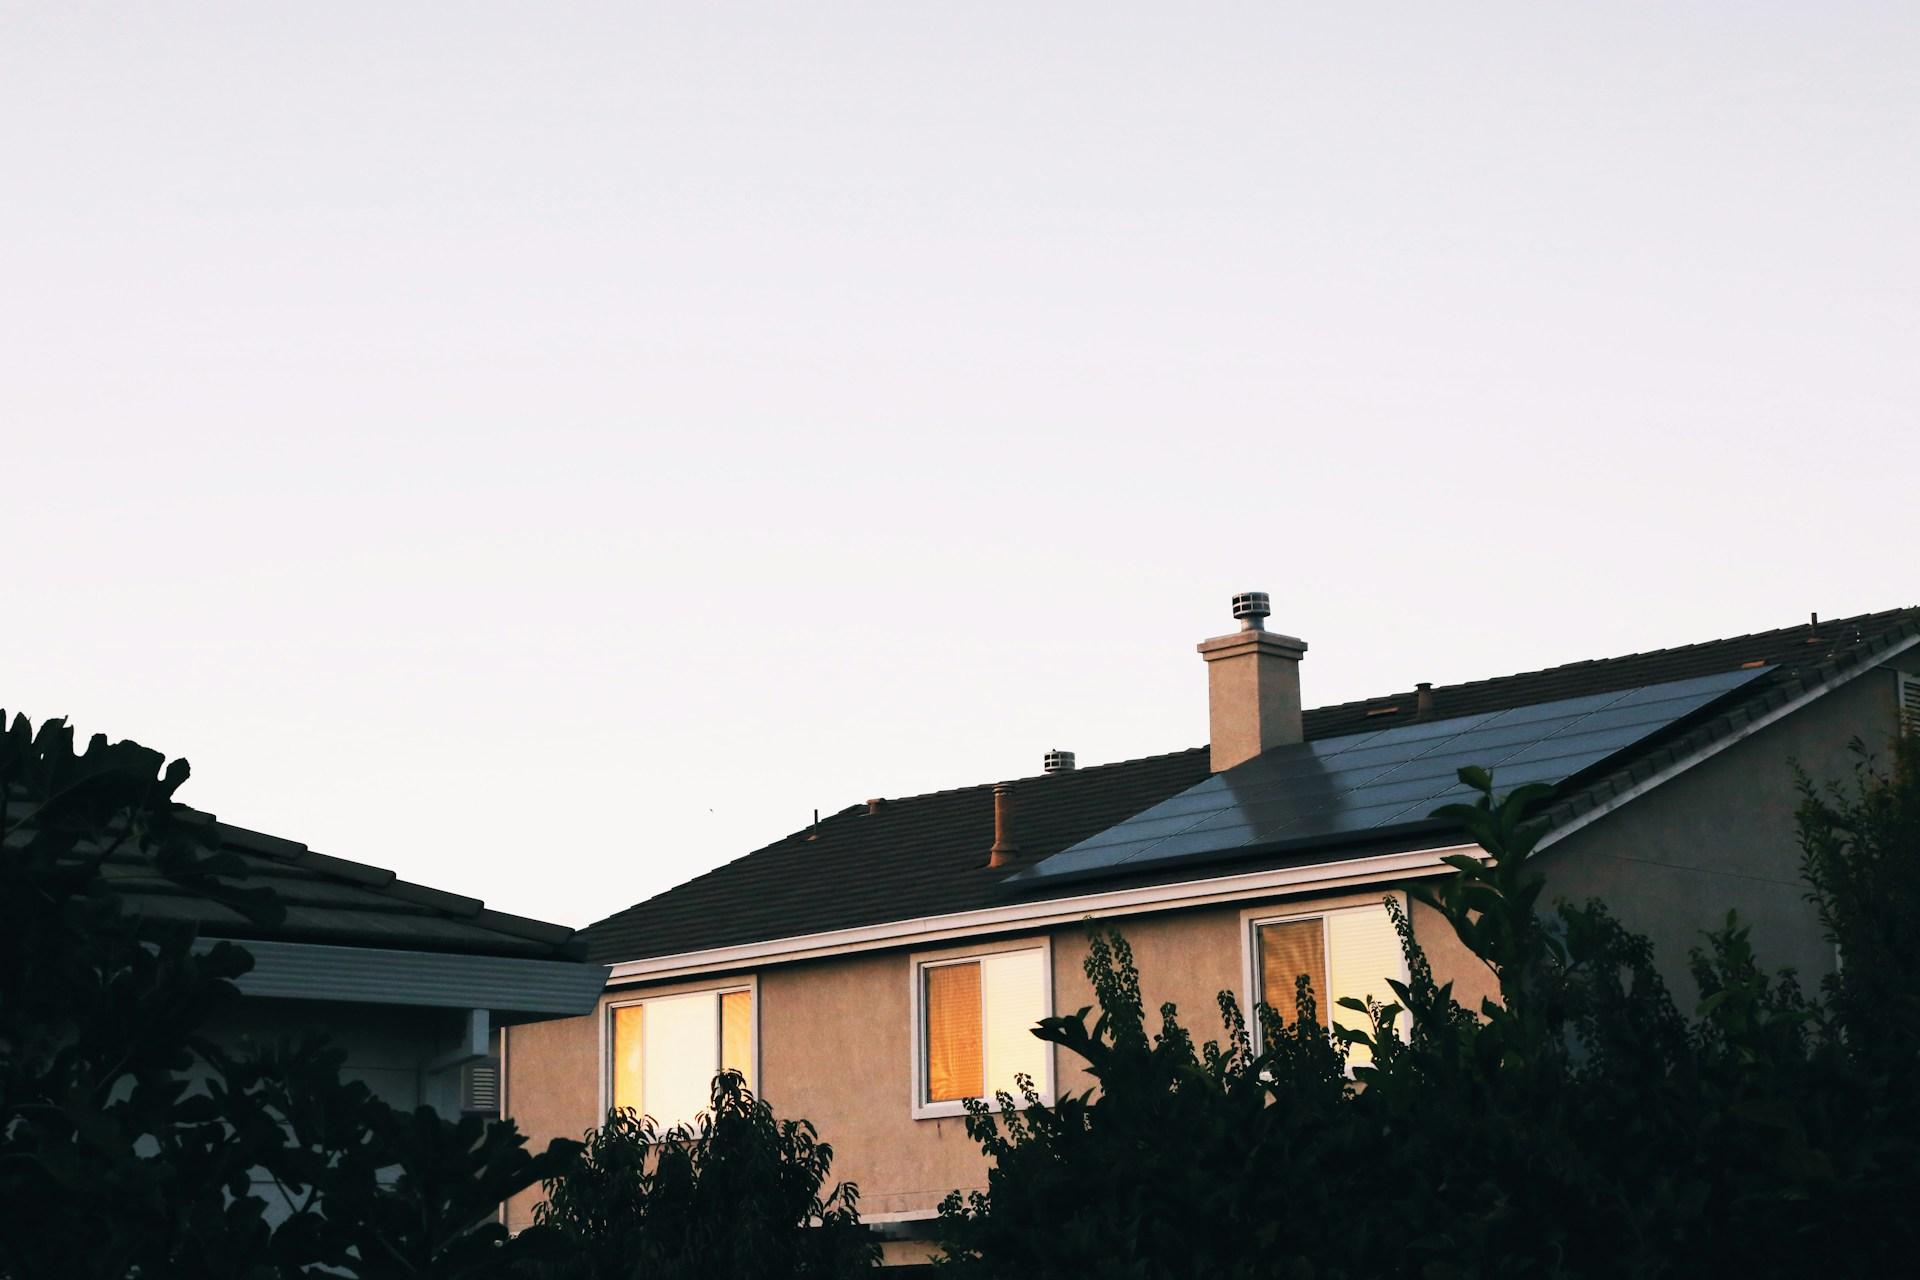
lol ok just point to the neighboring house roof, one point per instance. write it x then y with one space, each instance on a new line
926 855
337 930
333 901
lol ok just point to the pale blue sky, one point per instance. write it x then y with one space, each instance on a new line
550 449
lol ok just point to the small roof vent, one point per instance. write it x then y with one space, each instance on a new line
1058 762
1006 846
1252 608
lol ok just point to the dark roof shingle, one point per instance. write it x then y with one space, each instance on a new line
332 900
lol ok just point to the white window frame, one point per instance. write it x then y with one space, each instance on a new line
1253 918
626 999
917 966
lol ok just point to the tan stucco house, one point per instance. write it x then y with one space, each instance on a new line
874 970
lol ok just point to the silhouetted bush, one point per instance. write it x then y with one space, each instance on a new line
1580 1125
111 1163
736 1195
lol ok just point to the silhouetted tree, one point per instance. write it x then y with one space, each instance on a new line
735 1195
130 1143
1578 1125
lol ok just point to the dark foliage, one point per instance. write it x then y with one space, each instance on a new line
734 1196
1580 1125
1860 845
130 1144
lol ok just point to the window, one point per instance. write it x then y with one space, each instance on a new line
1347 952
666 1050
973 1023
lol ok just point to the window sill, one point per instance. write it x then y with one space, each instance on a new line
958 1110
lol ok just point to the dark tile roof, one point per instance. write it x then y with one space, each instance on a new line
926 855
332 900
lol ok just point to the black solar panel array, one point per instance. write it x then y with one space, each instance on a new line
1368 783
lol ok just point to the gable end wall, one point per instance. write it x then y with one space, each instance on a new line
1721 836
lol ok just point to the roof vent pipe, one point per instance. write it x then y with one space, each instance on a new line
1057 762
1252 609
1005 847
1423 700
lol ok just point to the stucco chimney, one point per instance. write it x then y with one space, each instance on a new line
1005 846
1253 686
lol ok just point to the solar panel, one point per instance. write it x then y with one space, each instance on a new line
1368 783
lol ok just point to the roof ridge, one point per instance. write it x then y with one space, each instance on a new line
1855 621
1081 771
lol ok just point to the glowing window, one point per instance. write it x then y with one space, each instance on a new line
667 1050
976 1018
1350 952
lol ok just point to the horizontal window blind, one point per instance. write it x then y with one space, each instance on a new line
736 1033
1365 952
629 1026
1013 993
955 1050
1289 948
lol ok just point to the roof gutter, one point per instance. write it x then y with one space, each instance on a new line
1024 916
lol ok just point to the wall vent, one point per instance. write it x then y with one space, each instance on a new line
480 1086
1909 705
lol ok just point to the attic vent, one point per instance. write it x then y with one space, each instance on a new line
1058 762
1910 705
480 1086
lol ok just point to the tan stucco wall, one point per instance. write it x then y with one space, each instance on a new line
552 1088
834 1047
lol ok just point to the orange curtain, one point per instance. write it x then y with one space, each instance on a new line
626 1058
1287 951
955 1052
736 1033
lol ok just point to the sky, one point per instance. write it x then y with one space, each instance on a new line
550 450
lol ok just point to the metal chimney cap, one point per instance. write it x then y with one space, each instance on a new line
1251 608
1058 762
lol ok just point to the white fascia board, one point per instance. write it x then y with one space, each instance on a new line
1045 913
1714 748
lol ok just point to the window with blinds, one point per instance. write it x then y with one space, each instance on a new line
976 1020
1349 952
666 1051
